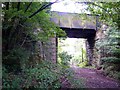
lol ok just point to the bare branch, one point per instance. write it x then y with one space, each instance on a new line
18 6
7 5
28 6
42 8
24 41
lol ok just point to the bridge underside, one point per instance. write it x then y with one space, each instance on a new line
88 34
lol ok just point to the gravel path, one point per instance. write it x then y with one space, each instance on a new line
95 80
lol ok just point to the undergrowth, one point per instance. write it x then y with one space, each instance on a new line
44 75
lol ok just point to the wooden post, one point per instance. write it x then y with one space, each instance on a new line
82 54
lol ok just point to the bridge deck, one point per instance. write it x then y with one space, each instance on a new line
74 20
76 26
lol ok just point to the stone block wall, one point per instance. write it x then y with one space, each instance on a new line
47 50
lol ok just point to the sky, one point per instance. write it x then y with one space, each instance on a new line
69 6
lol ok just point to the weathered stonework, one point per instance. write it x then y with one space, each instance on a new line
98 54
47 50
89 52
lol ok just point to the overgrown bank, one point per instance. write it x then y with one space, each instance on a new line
27 61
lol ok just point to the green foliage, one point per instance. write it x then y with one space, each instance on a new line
65 58
117 75
44 75
9 80
83 64
16 59
21 32
111 71
116 52
109 50
75 82
109 46
108 12
111 59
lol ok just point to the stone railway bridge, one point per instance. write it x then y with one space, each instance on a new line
75 26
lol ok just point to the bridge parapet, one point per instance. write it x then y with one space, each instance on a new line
74 20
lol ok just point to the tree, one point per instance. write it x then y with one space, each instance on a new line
22 29
109 45
108 12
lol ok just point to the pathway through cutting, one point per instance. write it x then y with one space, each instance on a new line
94 79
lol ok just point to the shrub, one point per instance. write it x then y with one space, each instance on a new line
15 59
111 59
83 64
114 74
76 82
65 58
44 75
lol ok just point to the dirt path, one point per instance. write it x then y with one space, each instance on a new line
95 80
